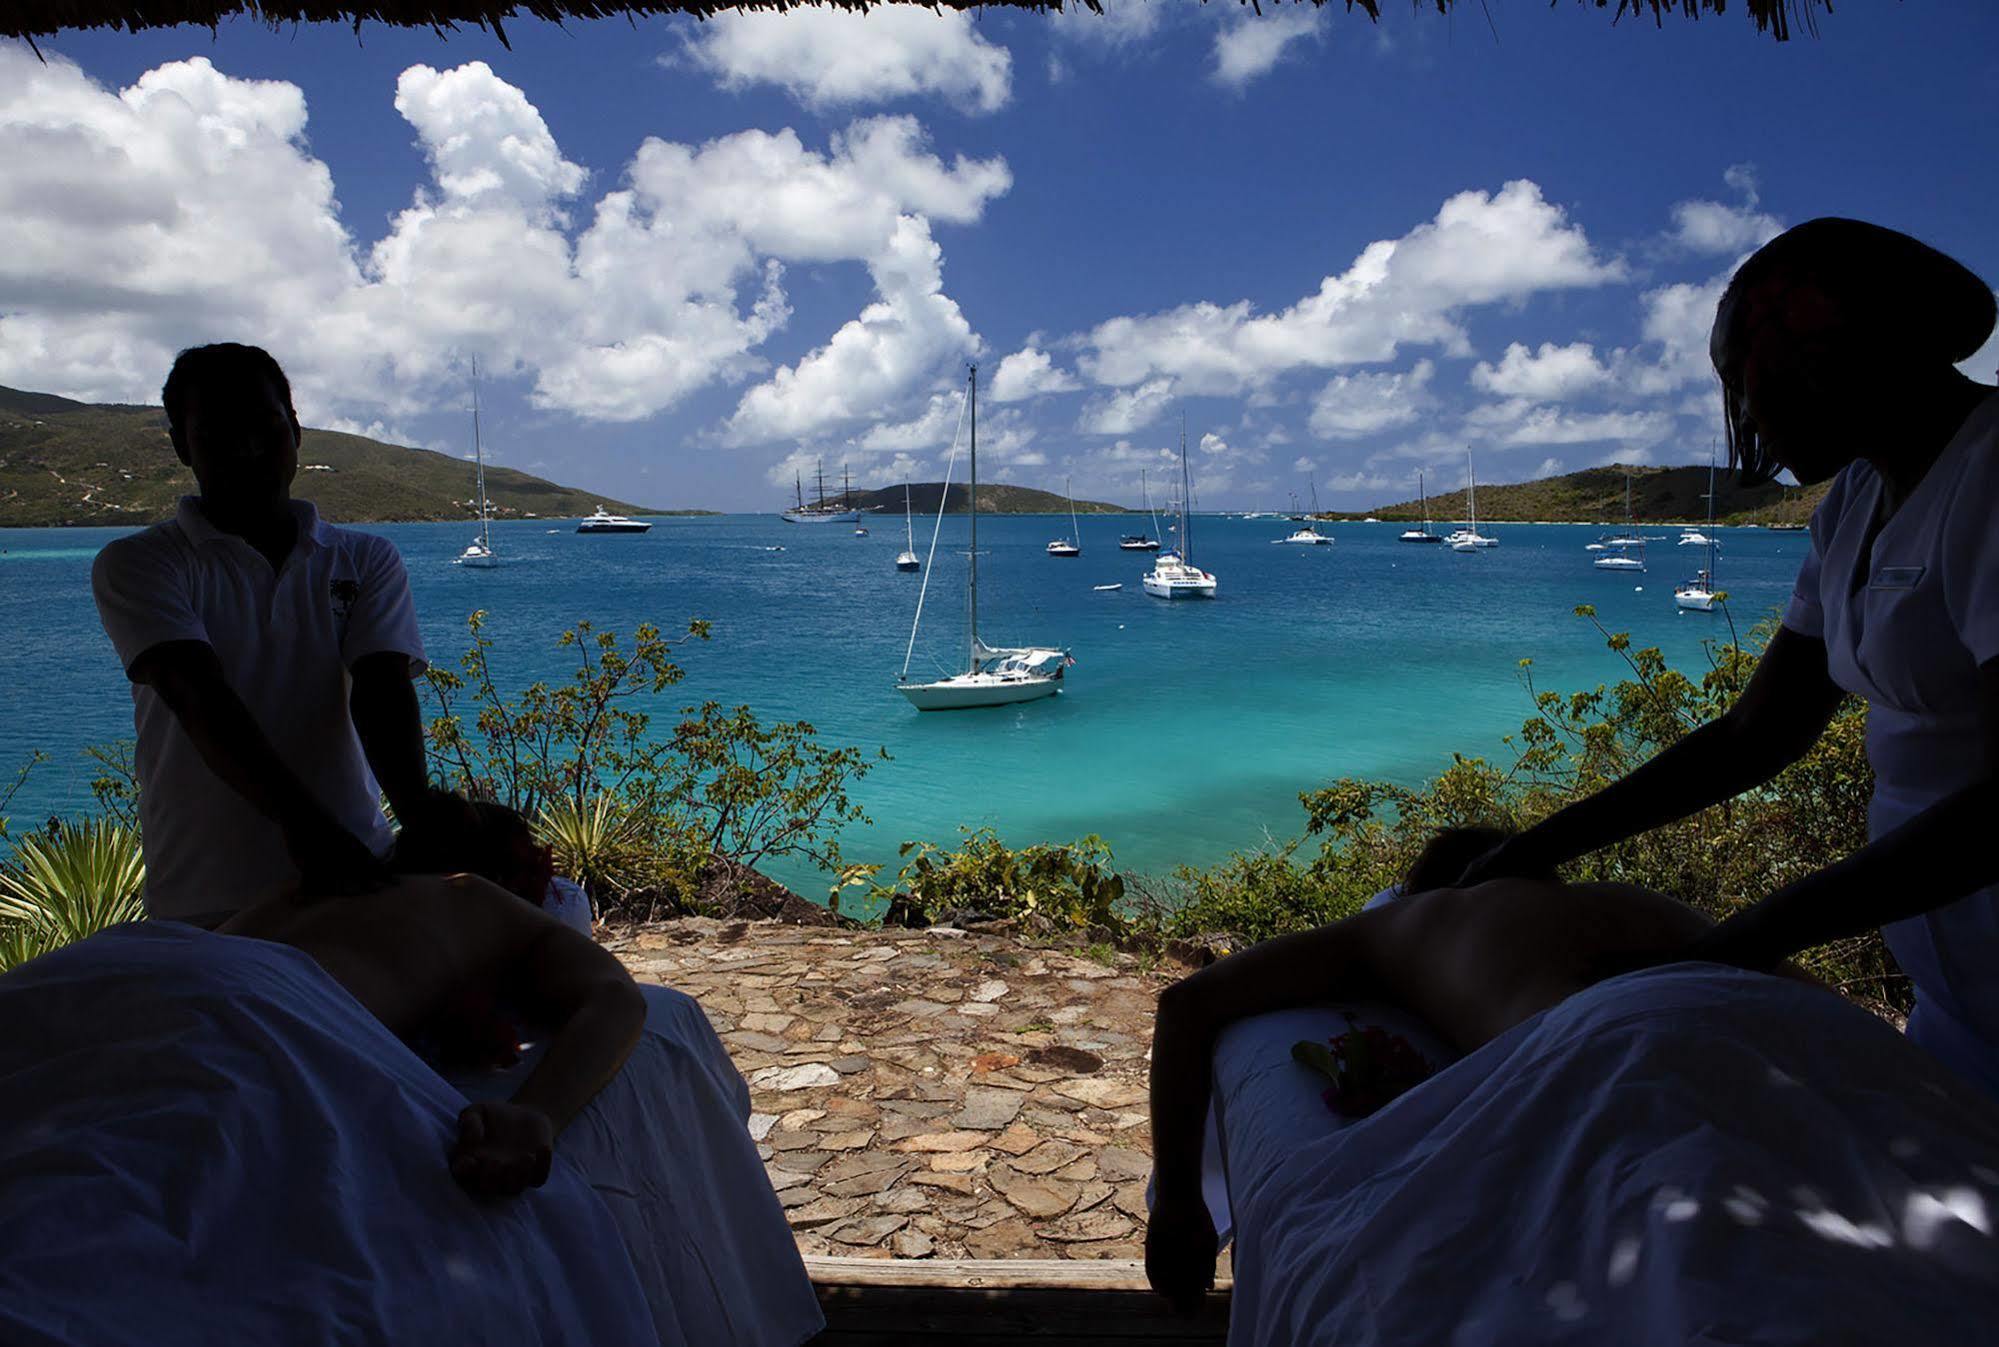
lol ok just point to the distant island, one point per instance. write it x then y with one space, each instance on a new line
70 463
1596 496
994 498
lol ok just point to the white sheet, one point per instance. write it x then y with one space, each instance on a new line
667 1147
1690 1154
205 1140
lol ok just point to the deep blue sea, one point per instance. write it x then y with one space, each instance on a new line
1187 729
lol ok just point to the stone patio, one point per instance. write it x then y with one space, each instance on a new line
931 1093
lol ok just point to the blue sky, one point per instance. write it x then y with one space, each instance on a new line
695 258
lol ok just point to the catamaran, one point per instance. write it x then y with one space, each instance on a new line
1142 542
1469 539
907 560
993 676
1699 595
1421 535
1071 546
820 511
1307 536
1174 574
479 552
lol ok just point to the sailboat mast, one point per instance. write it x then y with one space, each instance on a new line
1186 530
908 523
972 383
1471 492
820 473
1424 493
846 488
479 453
798 489
1075 534
1146 491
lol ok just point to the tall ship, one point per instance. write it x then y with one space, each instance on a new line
821 511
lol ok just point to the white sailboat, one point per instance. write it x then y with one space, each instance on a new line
993 676
1699 595
1469 539
1142 542
1309 536
1626 540
906 559
1622 551
1174 574
1421 535
847 500
479 552
1071 546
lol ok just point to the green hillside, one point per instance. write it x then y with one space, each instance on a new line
64 462
994 498
1596 496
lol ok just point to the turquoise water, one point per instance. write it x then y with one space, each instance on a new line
1187 729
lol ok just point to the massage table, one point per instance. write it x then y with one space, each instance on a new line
204 1139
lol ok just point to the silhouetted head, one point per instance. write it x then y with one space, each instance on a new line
230 416
498 845
1447 855
1823 334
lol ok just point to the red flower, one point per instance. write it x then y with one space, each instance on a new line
1368 1067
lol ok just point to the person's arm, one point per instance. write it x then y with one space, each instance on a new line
1294 970
389 723
569 981
189 678
1789 701
1943 854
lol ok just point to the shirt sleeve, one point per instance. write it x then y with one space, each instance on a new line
1805 614
144 598
1969 554
384 616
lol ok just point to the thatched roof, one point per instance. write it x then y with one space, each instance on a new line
45 18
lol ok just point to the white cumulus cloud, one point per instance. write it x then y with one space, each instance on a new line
832 58
1127 410
1250 44
1481 248
1551 374
1354 405
1703 226
1030 373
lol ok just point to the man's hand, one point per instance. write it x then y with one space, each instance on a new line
1514 858
503 1149
1180 1249
332 862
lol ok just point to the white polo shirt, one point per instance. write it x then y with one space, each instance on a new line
286 640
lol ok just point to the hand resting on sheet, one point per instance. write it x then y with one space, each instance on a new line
1472 962
405 951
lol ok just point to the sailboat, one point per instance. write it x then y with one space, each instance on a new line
906 559
1630 537
1421 535
820 511
1142 542
1469 539
993 676
1307 536
1699 595
479 552
847 500
1174 574
1070 546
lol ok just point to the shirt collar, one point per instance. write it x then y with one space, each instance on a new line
312 530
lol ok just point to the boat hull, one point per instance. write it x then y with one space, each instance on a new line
1179 589
970 692
828 517
613 528
1147 546
1419 538
1055 551
1618 564
483 562
1696 602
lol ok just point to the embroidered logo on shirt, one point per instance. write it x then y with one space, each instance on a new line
1897 577
345 592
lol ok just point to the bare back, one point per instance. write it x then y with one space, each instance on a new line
402 950
1475 962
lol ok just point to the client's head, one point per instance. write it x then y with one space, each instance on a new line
496 844
1449 853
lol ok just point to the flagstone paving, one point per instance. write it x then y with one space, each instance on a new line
930 1093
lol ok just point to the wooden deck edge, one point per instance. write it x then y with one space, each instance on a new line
985 1274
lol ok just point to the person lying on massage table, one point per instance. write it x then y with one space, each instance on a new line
1472 962
408 951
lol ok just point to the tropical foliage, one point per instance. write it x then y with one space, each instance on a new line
67 882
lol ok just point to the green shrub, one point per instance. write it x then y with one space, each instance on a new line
631 812
1044 886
